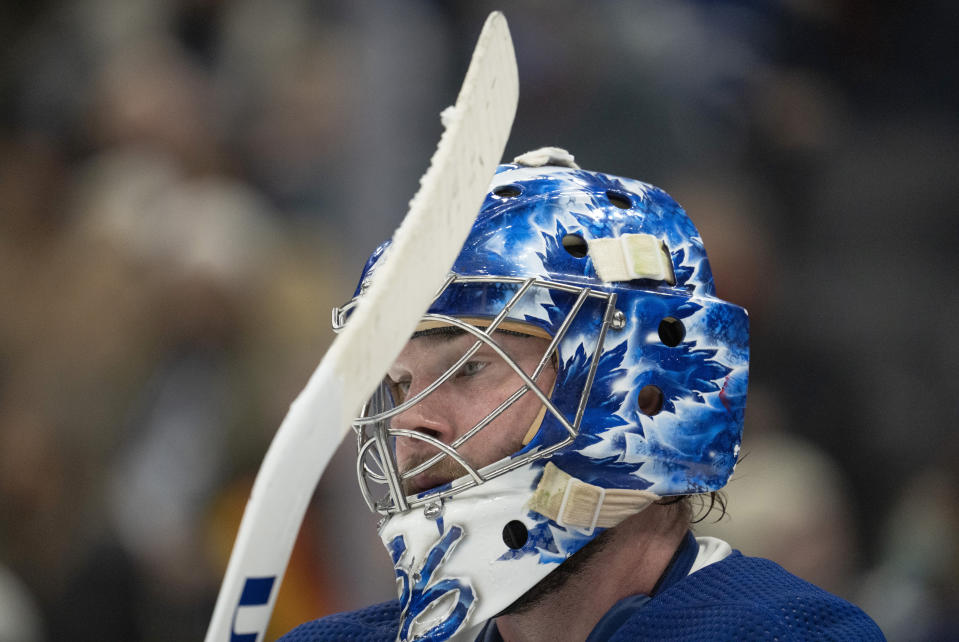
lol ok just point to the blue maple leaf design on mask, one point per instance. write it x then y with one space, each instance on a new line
540 542
601 415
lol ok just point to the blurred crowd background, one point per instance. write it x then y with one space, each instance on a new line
188 186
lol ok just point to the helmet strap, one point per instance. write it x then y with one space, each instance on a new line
572 502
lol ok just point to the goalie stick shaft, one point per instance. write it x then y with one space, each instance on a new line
422 252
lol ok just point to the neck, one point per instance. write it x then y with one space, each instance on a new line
634 557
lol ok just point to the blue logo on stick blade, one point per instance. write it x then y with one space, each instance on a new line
256 592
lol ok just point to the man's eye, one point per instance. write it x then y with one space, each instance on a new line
399 389
471 368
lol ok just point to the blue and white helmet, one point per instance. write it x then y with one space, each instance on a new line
648 401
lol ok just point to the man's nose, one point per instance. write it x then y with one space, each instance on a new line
432 415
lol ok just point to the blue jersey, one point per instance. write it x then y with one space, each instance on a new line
737 598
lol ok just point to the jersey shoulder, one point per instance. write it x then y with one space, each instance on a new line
748 598
377 623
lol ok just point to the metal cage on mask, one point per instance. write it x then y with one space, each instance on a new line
380 479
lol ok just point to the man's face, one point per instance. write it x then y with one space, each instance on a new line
478 388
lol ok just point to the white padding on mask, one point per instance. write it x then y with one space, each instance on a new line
572 502
631 256
547 156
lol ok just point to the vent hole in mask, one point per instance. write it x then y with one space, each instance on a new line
508 191
575 245
515 534
650 400
619 199
671 331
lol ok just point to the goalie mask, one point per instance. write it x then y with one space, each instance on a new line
587 303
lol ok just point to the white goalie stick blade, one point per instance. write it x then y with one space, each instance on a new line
423 250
